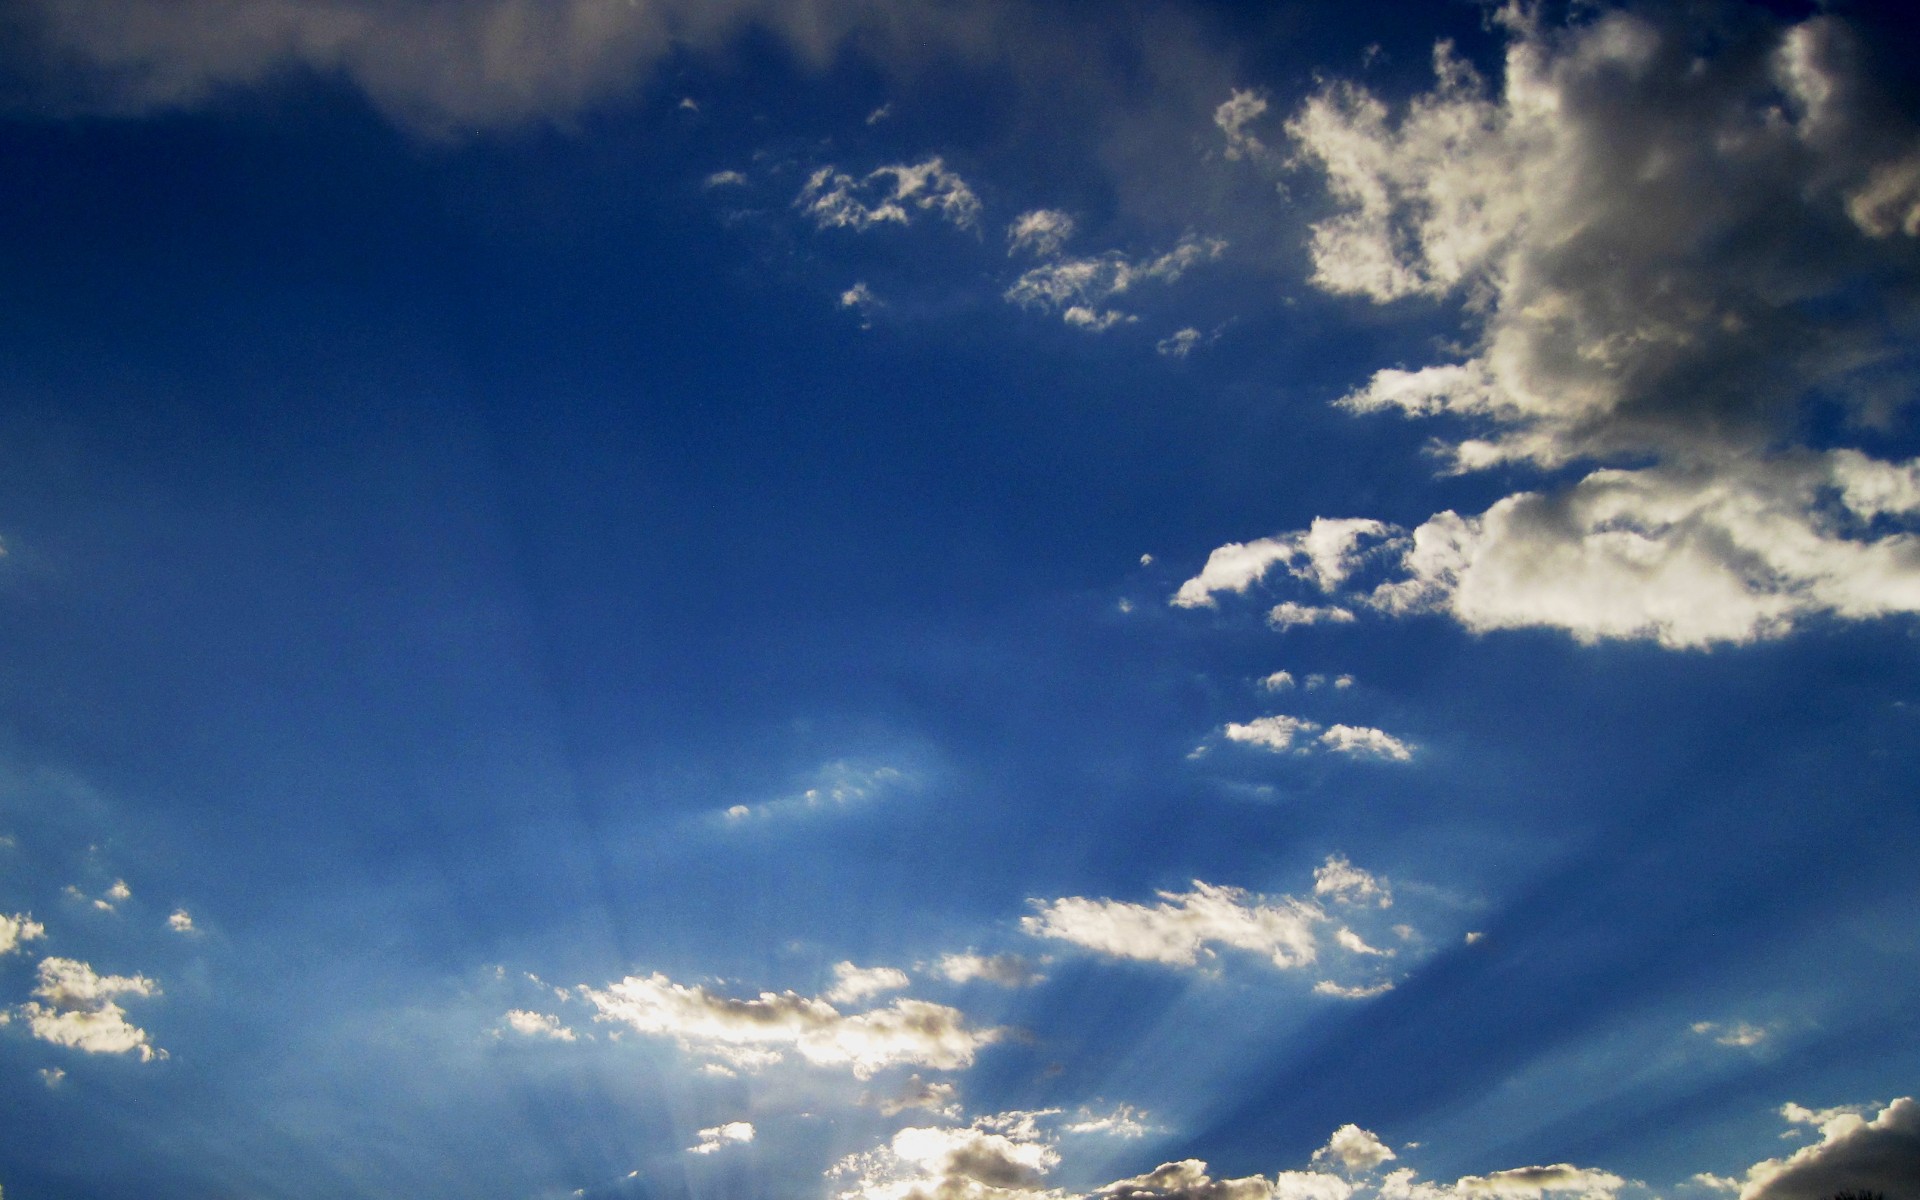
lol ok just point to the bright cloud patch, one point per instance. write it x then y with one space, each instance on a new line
1005 1157
852 983
759 1031
1041 232
1007 970
1532 1183
1341 881
889 195
527 1023
1079 288
1354 1149
1184 927
1283 734
80 1010
17 930
719 1137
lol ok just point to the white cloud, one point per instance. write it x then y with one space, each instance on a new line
1007 970
181 921
1184 926
860 298
733 1133
1276 733
1078 288
890 194
880 114
725 179
1360 741
18 929
1288 614
836 785
1341 881
1125 1121
80 1011
1041 232
538 1025
1326 553
754 1033
1800 1114
991 1159
851 983
1354 1148
1188 1180
52 1076
1853 1154
1179 344
1279 681
1233 116
1343 991
1353 943
1532 1183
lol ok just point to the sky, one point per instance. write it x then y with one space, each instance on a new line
958 600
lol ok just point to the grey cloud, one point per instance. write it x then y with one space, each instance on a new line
1854 1154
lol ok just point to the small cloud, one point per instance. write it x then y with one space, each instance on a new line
80 1011
1125 1121
1276 733
861 299
938 1098
181 921
1341 881
739 812
1182 929
1342 682
538 1025
733 1133
1327 987
1360 741
688 104
889 195
1288 614
1233 116
1040 232
1179 344
1475 936
880 114
853 983
1353 943
51 1076
17 930
1124 605
725 179
1740 1033
1146 560
1078 288
1354 1149
1007 970
1279 681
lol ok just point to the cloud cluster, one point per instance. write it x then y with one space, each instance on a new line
851 983
1079 289
1671 261
18 929
1183 927
833 199
719 1137
1853 1154
80 1010
1284 734
1007 970
755 1032
1003 1157
528 1023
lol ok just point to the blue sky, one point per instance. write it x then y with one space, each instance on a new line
971 600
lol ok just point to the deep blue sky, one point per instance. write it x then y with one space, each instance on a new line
467 545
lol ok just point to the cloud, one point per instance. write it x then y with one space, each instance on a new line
18 929
1740 1033
1040 232
860 298
1182 929
80 1011
995 1158
836 785
1282 734
181 921
1354 1148
853 983
1532 1183
942 1099
1326 553
1077 288
1125 1121
1007 970
1233 116
757 1032
733 1133
1188 1180
1179 344
1853 1154
538 1025
888 195
725 179
1327 987
1279 681
1342 882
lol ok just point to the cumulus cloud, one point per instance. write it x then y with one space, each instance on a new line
1188 1180
1853 1154
80 1010
851 983
1282 734
719 1137
1007 970
1239 110
1041 232
888 195
1079 288
1354 1149
18 929
1342 882
1183 927
1125 1121
941 1099
995 1158
1279 681
759 1031
1532 1183
527 1023
181 921
1325 554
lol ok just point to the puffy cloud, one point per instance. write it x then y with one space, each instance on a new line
80 1010
1535 1182
1041 232
538 1025
1178 344
890 194
1184 926
860 299
1283 733
756 1032
851 983
1007 970
1341 881
1354 1148
1125 1121
1353 943
733 1133
1853 1154
995 1158
939 1098
1325 553
181 921
1188 1180
18 929
1286 615
1078 288
1279 681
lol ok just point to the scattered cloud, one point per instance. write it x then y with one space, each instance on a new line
80 1010
1361 741
1184 927
1040 232
851 983
880 114
1325 553
941 1099
1342 882
1283 734
1277 733
17 930
181 921
725 179
1854 1154
1180 343
1532 1183
719 1137
1007 970
888 195
531 1024
836 785
994 1158
1279 681
1740 1033
1344 991
754 1033
860 299
1125 1121
52 1076
1354 1149
1078 288
1233 116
